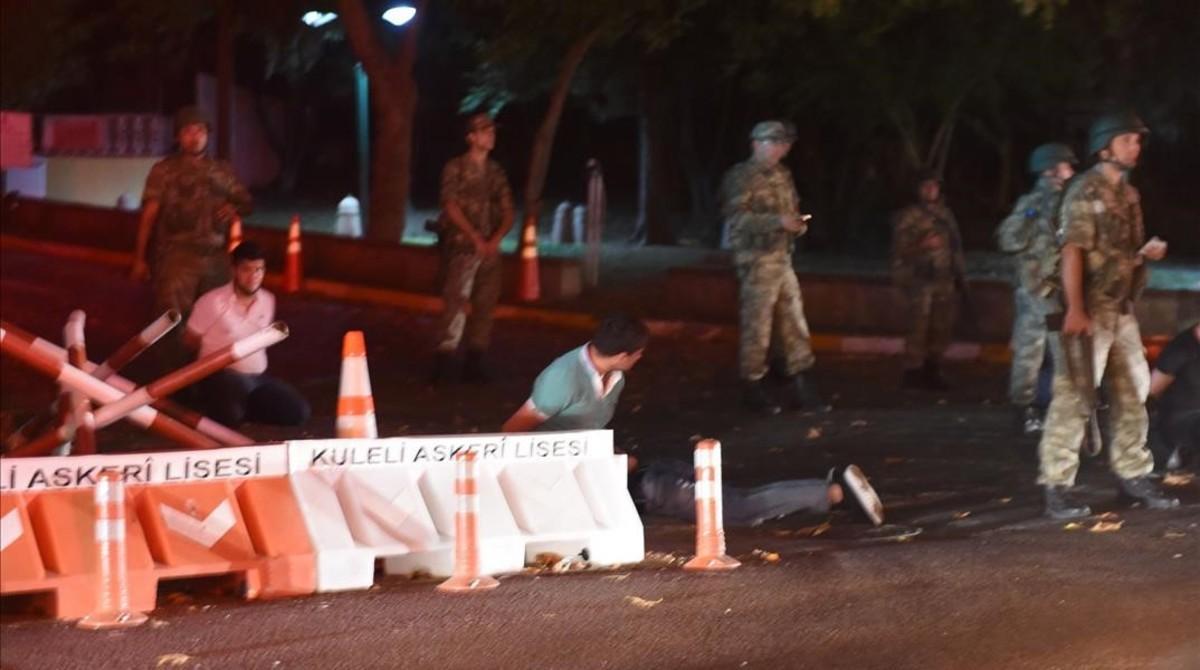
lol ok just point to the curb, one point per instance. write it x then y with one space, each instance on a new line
419 302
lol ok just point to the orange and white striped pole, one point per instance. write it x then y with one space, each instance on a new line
356 405
112 603
47 358
293 269
235 234
84 440
137 344
530 287
710 522
466 575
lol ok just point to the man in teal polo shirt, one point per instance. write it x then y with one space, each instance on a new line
579 390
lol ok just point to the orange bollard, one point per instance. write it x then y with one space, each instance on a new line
710 521
530 286
112 603
466 575
235 234
293 271
356 406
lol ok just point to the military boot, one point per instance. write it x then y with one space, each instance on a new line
931 374
755 398
803 394
474 370
1142 490
1059 506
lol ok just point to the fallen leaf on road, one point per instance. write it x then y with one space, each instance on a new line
820 530
665 559
961 515
546 559
1178 479
172 660
813 433
894 460
1106 526
1074 525
642 603
768 556
857 423
636 409
1177 556
1004 501
158 623
1172 534
1109 516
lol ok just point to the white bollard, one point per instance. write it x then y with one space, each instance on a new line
349 217
559 229
578 219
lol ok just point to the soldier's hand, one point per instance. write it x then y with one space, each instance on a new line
932 242
1154 250
139 271
1076 322
793 224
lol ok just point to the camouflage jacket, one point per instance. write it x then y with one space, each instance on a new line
1105 220
483 195
913 263
1031 234
753 199
190 191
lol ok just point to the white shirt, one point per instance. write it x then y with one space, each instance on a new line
219 319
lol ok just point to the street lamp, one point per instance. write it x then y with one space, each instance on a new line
399 15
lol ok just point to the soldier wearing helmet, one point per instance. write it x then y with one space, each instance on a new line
1029 234
762 215
929 268
189 202
1103 255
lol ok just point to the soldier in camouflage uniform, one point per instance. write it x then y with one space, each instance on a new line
761 210
928 267
1030 235
188 203
1104 256
477 211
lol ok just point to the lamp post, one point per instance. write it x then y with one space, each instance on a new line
397 15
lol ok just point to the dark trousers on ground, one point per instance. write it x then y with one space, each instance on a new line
668 488
232 398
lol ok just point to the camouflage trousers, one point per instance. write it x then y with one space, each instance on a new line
473 281
932 307
772 312
1121 370
1028 345
180 275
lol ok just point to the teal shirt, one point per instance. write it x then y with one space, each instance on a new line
569 392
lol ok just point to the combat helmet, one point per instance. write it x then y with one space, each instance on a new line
1105 128
189 115
1047 156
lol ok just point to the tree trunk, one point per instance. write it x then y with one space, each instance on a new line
543 141
654 220
225 79
702 199
394 100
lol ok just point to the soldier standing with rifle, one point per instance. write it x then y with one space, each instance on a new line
928 266
1030 235
1104 256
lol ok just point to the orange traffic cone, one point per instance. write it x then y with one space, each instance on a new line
356 406
529 289
466 575
112 605
710 522
235 234
292 269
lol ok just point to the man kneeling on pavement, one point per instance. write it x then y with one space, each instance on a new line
579 391
243 391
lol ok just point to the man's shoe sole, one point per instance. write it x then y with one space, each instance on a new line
854 480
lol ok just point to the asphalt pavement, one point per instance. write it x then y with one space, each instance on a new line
966 574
